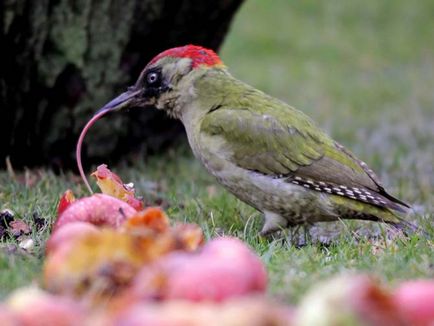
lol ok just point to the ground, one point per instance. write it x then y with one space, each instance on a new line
364 71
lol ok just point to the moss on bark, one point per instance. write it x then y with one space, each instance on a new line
63 59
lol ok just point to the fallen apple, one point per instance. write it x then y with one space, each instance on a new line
107 261
152 218
34 307
235 252
104 263
416 301
240 311
214 274
68 233
7 317
348 300
98 209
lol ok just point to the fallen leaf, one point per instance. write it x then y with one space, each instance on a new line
112 185
67 199
18 227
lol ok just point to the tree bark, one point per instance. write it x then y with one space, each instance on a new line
63 59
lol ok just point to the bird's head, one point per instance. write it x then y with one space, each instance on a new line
165 78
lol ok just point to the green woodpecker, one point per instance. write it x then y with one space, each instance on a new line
268 154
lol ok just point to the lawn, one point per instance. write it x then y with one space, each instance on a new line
364 71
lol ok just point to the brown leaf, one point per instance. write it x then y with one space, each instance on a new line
111 184
18 227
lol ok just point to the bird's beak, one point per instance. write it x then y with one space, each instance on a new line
125 100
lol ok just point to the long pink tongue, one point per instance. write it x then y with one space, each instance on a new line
80 142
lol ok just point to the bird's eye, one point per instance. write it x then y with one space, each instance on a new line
152 78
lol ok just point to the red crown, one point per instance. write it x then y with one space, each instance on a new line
199 55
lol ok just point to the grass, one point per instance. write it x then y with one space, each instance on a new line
363 70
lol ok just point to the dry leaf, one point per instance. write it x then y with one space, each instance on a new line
112 185
67 199
18 227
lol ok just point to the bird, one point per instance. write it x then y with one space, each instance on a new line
265 152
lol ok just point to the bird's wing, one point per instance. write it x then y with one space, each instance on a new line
280 141
277 143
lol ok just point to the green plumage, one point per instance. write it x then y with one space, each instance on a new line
265 152
268 136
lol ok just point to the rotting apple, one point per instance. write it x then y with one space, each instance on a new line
98 209
211 274
68 233
415 299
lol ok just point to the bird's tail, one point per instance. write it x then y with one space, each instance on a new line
399 218
403 224
401 212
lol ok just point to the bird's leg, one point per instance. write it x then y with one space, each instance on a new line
306 233
273 223
294 235
297 238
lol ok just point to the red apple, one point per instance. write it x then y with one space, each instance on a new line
7 317
225 268
416 301
34 307
235 252
98 209
237 311
348 300
207 278
69 232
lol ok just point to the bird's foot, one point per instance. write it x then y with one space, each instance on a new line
299 236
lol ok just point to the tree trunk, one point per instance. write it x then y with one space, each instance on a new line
63 59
